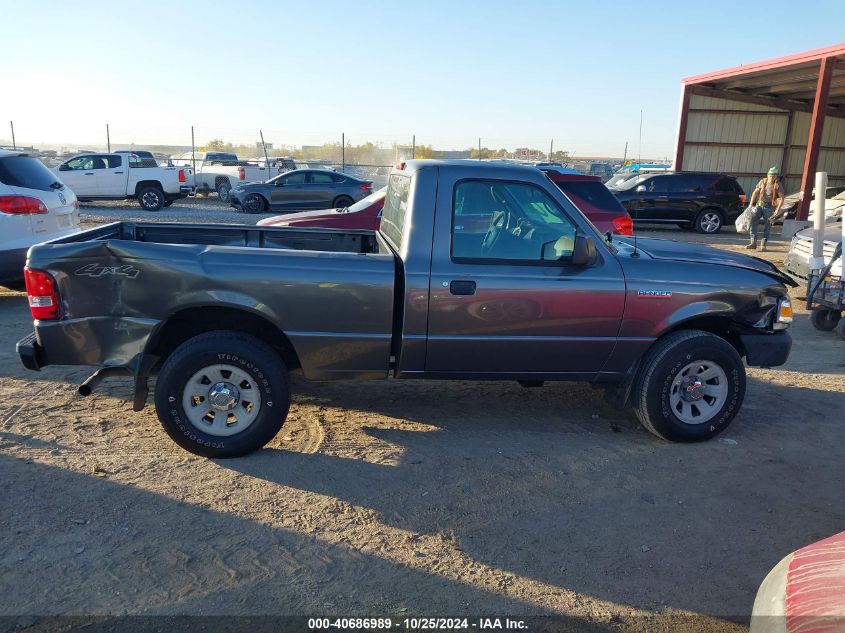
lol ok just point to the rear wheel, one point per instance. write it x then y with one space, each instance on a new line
223 191
825 320
690 386
222 394
151 198
342 201
254 203
708 221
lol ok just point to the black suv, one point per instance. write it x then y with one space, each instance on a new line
692 200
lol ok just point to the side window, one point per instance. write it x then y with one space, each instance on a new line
508 221
294 179
134 161
112 161
658 184
80 162
321 179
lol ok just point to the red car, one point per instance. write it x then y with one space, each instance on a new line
595 201
364 214
586 192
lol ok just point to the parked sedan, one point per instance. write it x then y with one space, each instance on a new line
364 214
301 189
34 207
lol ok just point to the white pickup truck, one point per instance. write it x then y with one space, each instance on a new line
222 171
123 176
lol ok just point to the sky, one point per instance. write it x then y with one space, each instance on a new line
514 74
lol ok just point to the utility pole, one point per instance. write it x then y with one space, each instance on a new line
414 146
479 147
625 155
551 149
640 148
264 147
194 158
12 124
343 151
108 139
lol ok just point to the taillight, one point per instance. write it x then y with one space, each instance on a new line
623 225
41 291
400 165
742 199
182 177
367 186
21 205
241 173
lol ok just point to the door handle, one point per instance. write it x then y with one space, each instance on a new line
118 172
89 173
462 287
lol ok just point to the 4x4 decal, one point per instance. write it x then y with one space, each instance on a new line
96 270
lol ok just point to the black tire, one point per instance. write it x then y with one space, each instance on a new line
342 201
223 348
223 191
151 198
840 329
709 221
653 386
825 320
254 203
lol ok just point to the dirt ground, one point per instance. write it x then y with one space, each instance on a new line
428 498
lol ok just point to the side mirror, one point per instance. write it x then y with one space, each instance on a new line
64 168
584 253
640 189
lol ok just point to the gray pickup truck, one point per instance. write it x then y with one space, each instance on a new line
479 271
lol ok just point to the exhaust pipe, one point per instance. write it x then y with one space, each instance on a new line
91 383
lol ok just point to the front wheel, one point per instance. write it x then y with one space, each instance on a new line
690 386
222 394
825 320
254 203
708 221
151 198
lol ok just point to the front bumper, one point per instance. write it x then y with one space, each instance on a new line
766 350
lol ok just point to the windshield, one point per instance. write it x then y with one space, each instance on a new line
629 182
620 177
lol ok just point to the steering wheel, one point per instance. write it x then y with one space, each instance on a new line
499 223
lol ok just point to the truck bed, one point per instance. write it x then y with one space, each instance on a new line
328 293
326 240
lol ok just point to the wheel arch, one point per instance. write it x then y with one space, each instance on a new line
147 183
189 322
219 180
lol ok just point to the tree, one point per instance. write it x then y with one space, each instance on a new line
215 145
424 151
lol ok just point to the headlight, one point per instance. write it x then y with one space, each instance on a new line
783 316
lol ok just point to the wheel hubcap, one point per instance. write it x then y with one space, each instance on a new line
150 199
223 396
710 222
221 400
698 392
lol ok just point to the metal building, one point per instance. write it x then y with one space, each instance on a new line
788 111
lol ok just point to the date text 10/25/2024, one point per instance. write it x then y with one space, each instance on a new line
417 624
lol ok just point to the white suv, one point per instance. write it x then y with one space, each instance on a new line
34 207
